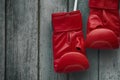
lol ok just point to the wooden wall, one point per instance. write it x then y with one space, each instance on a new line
26 48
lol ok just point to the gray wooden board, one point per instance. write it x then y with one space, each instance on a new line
2 39
109 65
45 54
92 72
22 40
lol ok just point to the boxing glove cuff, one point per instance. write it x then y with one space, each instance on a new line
104 4
67 21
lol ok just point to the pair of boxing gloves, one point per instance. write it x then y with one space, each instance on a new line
103 32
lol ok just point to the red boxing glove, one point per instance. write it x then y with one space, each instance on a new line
103 28
68 42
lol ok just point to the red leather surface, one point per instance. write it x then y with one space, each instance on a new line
68 42
105 4
103 27
119 32
66 21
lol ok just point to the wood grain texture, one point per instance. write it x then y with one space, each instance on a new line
2 39
92 72
46 55
22 40
109 65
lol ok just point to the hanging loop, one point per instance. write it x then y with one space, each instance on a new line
75 5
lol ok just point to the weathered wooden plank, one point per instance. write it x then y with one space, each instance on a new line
92 73
2 39
109 65
22 40
46 56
